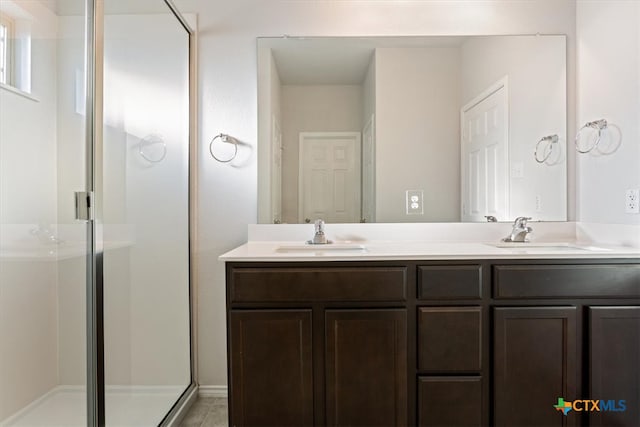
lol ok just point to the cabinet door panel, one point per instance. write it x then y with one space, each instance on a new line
449 339
449 401
535 353
271 361
366 363
614 360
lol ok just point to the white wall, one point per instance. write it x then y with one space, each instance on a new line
28 306
537 97
418 133
369 91
227 195
271 109
312 108
608 34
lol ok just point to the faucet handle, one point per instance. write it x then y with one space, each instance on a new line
521 221
319 225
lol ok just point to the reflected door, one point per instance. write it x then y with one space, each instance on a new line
485 184
329 177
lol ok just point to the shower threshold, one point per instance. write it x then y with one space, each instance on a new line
65 406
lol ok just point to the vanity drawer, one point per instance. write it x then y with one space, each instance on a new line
450 339
569 281
318 284
444 282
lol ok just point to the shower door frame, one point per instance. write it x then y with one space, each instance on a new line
94 59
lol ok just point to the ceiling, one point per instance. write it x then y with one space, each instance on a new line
111 7
337 60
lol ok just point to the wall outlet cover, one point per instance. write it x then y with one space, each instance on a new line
538 203
632 201
415 202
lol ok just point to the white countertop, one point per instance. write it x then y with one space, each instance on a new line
380 250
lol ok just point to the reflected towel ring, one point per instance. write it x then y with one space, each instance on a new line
149 140
598 125
551 140
224 138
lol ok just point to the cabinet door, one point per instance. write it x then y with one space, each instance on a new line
270 368
614 359
366 367
450 339
450 401
535 353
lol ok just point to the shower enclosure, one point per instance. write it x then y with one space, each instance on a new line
95 137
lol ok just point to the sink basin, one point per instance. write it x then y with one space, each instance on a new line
547 246
331 247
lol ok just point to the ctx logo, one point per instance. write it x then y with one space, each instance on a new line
590 405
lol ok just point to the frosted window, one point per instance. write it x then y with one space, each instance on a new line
6 33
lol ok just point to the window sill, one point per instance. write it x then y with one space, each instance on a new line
18 92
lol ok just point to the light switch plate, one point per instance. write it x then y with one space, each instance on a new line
517 170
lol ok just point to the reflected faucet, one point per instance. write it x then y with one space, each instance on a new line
319 238
520 231
45 235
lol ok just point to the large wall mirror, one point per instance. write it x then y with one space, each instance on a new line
412 129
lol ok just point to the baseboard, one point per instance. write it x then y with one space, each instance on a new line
213 391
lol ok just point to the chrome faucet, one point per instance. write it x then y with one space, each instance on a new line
520 231
319 238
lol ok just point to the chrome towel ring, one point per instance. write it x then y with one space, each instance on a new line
548 148
228 139
598 125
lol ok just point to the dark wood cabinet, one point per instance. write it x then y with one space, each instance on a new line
433 343
366 367
271 365
614 359
450 339
450 401
535 355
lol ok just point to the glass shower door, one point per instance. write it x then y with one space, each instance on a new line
43 248
146 212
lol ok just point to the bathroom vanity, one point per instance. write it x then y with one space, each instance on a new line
432 340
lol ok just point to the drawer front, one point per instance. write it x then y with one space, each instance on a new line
447 282
450 339
318 284
570 281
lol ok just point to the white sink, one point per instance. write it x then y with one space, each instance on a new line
330 247
547 246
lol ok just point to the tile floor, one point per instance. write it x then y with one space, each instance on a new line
207 412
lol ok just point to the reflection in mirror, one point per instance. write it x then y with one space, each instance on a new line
411 129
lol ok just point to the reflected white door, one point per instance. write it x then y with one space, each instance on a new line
329 177
276 172
485 156
368 172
